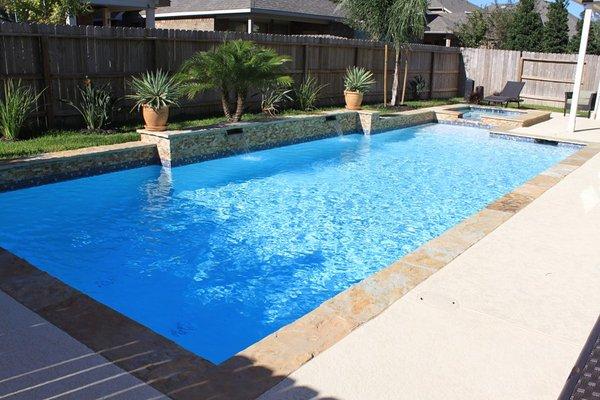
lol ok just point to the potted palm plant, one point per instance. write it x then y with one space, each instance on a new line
154 93
357 82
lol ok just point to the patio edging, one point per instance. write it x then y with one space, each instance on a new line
183 375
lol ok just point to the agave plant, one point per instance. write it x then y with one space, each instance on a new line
418 86
307 93
273 98
155 89
233 68
358 80
95 105
19 102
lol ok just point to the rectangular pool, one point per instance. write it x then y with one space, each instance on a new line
219 254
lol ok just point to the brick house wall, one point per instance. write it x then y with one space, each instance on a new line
198 24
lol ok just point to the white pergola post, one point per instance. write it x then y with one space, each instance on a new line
585 30
250 25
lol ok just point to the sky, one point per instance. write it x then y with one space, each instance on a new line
574 8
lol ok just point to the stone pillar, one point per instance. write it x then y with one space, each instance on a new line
150 18
368 120
162 141
448 41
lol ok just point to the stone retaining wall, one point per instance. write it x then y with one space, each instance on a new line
184 147
174 148
64 165
374 122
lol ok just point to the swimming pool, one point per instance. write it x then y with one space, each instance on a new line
219 254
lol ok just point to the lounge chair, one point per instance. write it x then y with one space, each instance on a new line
587 101
510 94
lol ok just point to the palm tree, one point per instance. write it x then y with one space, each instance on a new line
233 68
398 21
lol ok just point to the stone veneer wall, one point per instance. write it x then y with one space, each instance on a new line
184 147
74 164
374 122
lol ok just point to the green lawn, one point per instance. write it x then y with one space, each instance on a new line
62 140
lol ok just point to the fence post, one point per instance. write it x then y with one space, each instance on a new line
49 95
356 56
520 67
305 69
431 74
385 74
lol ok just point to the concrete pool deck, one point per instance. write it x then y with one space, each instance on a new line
586 130
506 319
40 361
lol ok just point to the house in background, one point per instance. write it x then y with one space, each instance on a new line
443 16
119 13
288 17
297 17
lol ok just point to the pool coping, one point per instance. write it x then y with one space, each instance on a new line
181 374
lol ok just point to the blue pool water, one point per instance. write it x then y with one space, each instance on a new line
219 254
476 113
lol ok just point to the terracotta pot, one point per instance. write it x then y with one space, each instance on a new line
156 120
353 100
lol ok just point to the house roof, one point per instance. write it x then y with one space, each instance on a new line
444 15
321 9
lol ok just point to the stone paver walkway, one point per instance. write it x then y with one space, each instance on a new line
507 319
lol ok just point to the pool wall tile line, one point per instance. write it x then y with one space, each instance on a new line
182 375
522 138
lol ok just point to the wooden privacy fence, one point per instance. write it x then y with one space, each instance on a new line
547 76
59 58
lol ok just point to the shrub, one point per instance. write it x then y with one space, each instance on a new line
95 105
233 68
273 97
155 90
358 80
19 102
307 93
418 86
